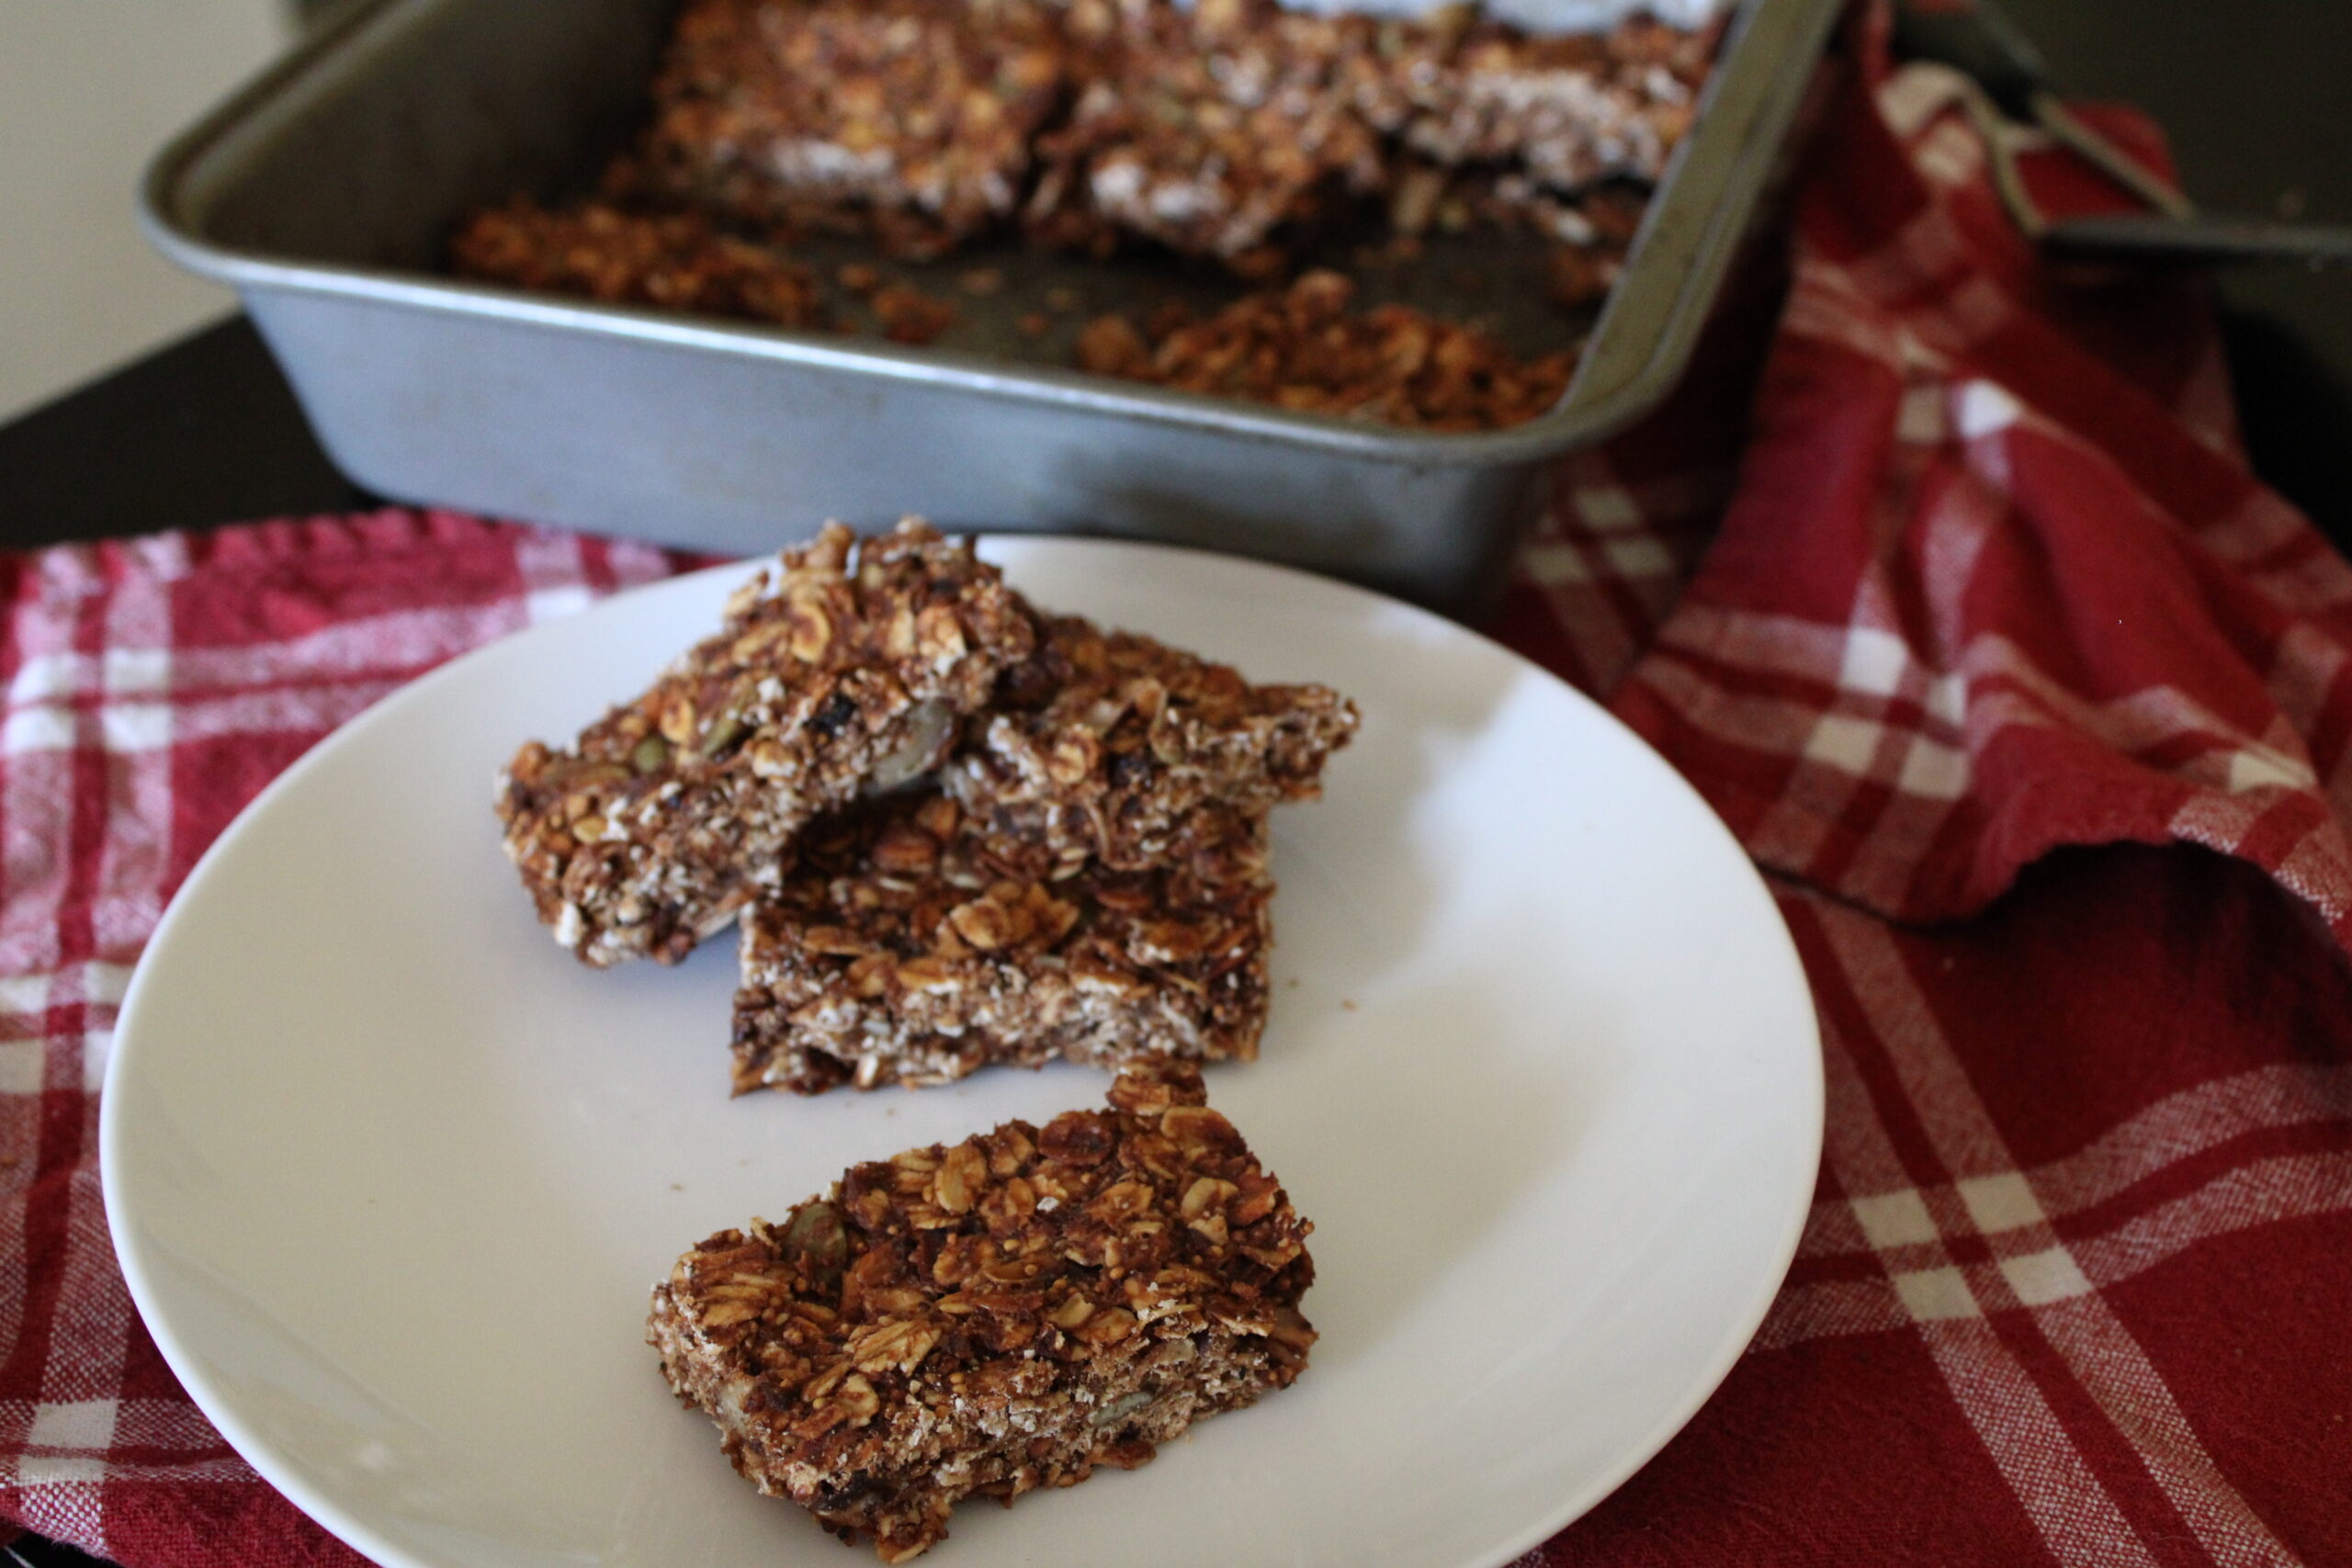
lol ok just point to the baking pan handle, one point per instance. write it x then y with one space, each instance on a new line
1643 338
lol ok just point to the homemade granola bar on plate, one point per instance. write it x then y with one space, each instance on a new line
392 1174
995 1316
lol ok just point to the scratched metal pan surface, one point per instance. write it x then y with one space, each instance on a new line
325 191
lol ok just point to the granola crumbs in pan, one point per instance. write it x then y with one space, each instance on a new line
906 314
1306 348
677 261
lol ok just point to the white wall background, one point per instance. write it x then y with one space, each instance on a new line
88 89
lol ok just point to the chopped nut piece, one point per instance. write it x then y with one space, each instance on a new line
997 952
791 708
1104 744
932 1356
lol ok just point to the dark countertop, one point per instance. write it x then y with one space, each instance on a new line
205 431
2253 96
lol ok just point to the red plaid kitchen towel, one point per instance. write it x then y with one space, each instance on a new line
1993 582
153 687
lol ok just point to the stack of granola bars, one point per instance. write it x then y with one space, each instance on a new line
956 830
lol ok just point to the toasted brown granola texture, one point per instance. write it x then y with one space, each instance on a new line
1104 744
1217 129
1306 347
996 1316
848 669
1565 109
906 947
910 119
677 261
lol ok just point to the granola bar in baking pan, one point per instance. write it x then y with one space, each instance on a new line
910 120
1216 130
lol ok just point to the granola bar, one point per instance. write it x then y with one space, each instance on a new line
677 260
904 946
1102 745
994 1318
1566 109
1305 348
848 671
1222 129
915 115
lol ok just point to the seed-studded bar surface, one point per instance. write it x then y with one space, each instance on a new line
903 946
996 1316
847 669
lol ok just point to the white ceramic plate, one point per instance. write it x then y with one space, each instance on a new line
390 1175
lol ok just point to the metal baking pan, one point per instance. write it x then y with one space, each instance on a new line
323 191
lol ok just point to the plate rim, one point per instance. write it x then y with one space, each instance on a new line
346 1525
